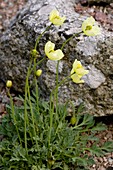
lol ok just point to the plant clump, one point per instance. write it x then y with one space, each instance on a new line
38 135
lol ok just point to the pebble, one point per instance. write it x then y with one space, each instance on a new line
2 108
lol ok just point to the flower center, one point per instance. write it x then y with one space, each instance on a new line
79 66
57 17
89 27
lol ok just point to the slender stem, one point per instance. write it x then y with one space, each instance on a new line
62 82
27 92
27 88
13 115
65 42
32 116
75 127
51 118
37 95
38 39
39 62
36 86
32 69
52 106
57 67
25 107
55 90
61 120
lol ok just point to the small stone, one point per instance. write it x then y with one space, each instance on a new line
111 57
110 160
2 108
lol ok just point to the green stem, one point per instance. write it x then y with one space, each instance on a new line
27 92
25 107
37 96
51 118
55 90
52 106
38 39
36 86
75 127
39 62
32 116
65 42
57 67
62 82
61 120
13 115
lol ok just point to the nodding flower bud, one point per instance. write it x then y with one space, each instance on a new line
51 162
38 72
34 53
73 120
9 83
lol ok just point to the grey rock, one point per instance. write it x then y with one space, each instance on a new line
53 64
95 53
95 77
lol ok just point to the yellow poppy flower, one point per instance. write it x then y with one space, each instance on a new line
55 18
77 79
89 28
78 71
51 53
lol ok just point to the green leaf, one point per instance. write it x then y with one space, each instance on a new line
66 167
108 146
80 161
95 150
99 127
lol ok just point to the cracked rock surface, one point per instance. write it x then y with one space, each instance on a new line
95 53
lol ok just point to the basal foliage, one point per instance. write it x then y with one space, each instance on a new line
68 147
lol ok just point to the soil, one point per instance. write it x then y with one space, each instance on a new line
104 15
102 12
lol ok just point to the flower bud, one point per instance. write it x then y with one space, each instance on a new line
34 53
51 162
73 120
38 72
9 83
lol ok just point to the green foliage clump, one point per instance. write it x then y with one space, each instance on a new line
66 149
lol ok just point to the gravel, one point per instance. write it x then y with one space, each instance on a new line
8 9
